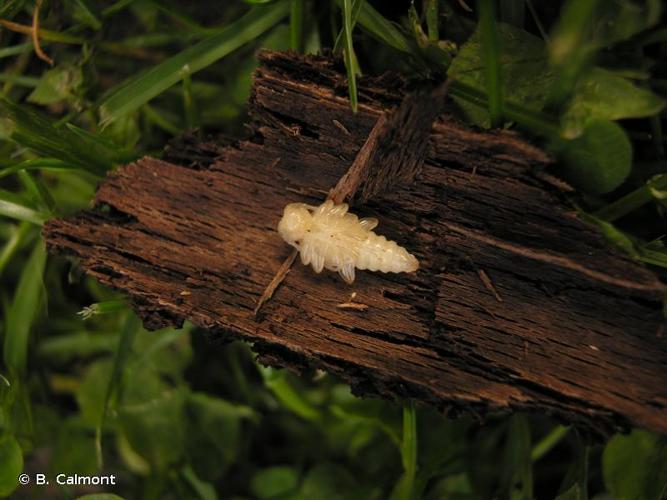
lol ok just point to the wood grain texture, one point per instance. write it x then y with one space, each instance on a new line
518 304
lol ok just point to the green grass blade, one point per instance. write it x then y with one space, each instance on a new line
189 109
405 489
276 381
47 164
569 50
296 25
140 90
15 50
547 443
633 200
382 29
38 192
68 144
432 20
23 310
349 55
491 59
537 122
356 9
13 243
15 210
130 330
20 80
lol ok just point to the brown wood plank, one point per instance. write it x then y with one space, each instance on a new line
518 304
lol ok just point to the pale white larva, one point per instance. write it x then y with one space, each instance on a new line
328 237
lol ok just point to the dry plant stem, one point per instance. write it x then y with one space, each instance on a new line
32 31
35 34
276 281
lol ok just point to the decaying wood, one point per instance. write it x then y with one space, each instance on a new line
395 149
391 157
577 333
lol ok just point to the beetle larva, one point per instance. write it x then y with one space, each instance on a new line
329 237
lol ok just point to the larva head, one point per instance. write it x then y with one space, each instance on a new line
295 223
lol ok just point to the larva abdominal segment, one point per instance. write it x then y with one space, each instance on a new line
329 237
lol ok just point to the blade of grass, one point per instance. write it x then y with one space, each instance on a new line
14 209
189 103
139 90
68 144
569 50
20 80
349 55
356 9
547 443
432 20
491 58
405 488
13 243
382 29
38 193
633 200
130 329
47 164
15 50
159 120
296 25
291 399
23 310
537 122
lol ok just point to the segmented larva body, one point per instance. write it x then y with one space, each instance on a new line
328 237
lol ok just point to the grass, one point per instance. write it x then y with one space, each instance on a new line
178 416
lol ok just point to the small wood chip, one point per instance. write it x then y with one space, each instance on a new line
350 304
488 284
276 281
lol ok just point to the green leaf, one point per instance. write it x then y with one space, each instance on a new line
74 448
634 466
215 433
522 58
156 429
274 482
139 90
11 463
329 482
23 310
620 20
602 95
57 84
204 490
599 160
278 383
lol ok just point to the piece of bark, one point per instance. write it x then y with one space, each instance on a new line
575 335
